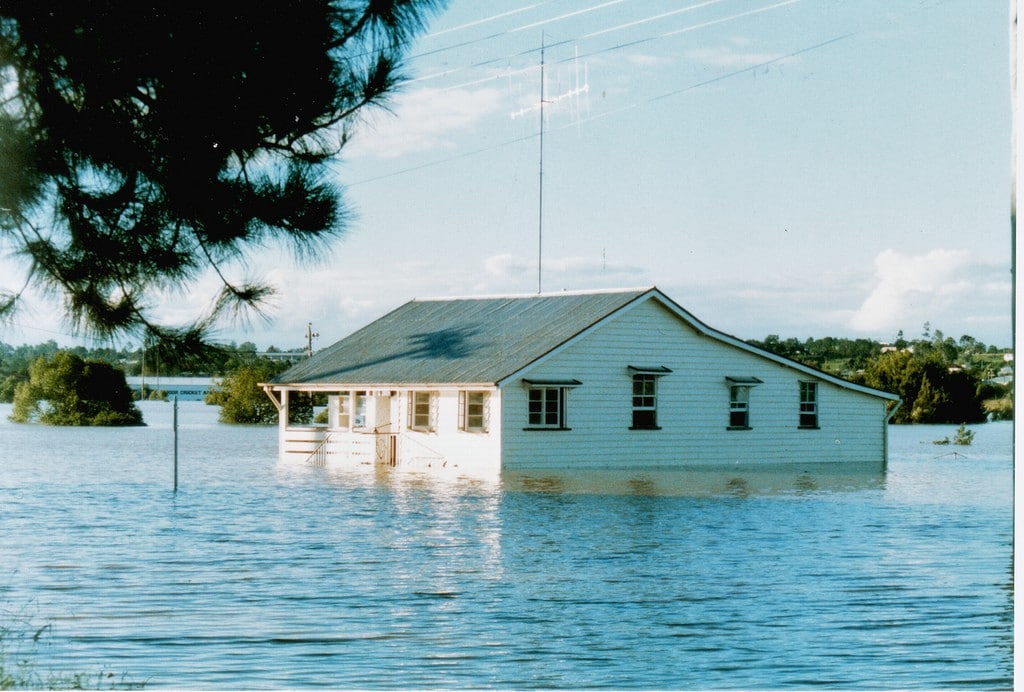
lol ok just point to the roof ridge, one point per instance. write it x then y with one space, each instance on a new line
550 294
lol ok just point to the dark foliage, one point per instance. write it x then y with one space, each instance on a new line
142 144
66 390
931 392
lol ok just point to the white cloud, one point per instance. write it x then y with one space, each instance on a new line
505 266
944 287
423 120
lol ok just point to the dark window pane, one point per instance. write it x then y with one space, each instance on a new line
644 419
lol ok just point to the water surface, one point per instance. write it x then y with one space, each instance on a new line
258 576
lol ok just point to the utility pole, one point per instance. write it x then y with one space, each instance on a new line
310 335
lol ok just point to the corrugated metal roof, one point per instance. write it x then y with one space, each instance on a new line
459 340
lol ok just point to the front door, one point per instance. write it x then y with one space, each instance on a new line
382 413
387 441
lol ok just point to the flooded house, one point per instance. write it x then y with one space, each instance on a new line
596 379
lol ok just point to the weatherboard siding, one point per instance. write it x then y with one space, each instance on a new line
693 404
447 446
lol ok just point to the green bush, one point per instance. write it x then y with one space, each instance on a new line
1000 409
240 397
66 390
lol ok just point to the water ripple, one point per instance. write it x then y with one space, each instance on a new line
259 577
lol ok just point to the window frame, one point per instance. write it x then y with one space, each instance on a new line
360 409
561 403
547 406
466 422
739 405
739 401
646 374
645 402
809 406
345 414
415 422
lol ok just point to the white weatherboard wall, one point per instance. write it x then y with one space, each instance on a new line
470 452
693 405
444 447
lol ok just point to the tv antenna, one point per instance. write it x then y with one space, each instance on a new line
574 92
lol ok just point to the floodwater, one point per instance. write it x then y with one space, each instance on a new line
257 576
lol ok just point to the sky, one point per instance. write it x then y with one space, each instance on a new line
805 168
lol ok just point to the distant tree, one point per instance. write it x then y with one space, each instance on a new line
240 397
997 400
9 385
66 390
931 392
929 400
143 144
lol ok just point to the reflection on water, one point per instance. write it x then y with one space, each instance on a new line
259 575
734 481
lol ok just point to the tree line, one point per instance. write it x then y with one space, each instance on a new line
152 360
941 380
83 386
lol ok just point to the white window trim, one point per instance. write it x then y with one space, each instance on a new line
740 385
485 414
646 374
563 387
431 425
812 406
363 396
344 421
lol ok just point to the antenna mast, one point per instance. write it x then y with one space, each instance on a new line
572 93
540 185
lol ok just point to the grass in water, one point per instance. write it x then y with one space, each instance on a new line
19 646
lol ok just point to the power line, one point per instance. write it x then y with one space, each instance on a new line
544 22
600 51
684 30
485 20
751 68
629 107
656 17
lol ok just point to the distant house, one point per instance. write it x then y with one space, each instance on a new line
599 379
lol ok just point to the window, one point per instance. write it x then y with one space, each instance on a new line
473 411
546 403
645 395
344 410
645 402
359 407
808 404
421 411
739 401
739 407
547 407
